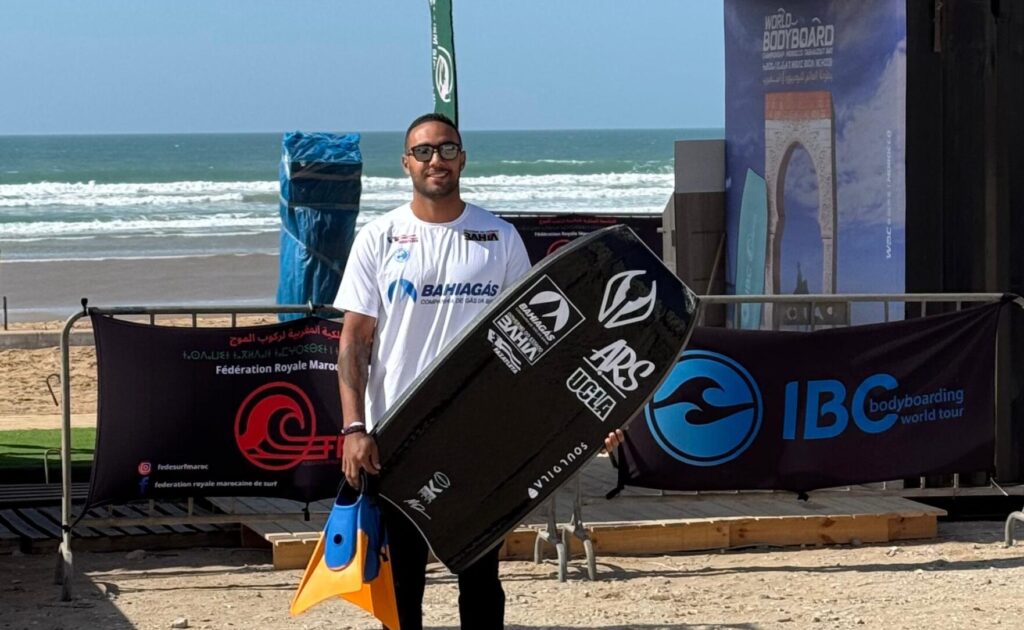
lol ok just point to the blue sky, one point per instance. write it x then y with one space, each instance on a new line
137 66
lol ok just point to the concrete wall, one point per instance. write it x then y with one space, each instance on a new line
694 220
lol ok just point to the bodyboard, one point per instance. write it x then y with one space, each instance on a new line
528 392
751 246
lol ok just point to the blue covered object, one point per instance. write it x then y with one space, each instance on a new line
320 187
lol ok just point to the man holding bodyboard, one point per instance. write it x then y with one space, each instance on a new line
414 280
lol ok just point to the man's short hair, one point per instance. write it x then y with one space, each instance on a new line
432 117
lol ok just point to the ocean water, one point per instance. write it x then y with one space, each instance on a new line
158 196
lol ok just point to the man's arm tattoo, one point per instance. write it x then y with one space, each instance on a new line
354 365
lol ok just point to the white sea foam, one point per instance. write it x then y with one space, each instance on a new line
91 194
50 229
547 162
620 192
203 193
60 219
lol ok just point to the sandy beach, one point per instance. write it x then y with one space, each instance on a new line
52 290
25 400
42 295
963 579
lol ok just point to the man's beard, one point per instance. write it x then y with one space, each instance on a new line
424 188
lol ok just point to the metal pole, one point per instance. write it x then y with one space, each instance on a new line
855 297
5 297
1008 531
65 566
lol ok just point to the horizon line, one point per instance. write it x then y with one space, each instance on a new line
240 133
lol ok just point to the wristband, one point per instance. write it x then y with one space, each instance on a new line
355 427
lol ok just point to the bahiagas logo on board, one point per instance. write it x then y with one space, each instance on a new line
538 320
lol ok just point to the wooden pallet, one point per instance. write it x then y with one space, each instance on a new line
825 522
38 529
643 522
638 521
19 494
292 538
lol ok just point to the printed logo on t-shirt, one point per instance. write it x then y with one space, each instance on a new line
459 293
403 288
402 255
474 235
403 238
539 319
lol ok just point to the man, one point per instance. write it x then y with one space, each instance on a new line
392 333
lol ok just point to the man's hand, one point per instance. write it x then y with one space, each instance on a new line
359 453
613 440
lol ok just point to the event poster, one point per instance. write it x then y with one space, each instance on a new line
816 107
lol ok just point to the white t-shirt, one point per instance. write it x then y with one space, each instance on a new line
424 282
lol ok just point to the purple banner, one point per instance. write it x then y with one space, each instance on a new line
815 126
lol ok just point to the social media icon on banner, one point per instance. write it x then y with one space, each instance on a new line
708 411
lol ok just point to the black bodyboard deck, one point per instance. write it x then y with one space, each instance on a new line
526 395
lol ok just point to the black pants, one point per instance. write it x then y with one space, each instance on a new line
481 598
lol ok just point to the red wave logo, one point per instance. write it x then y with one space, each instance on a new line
557 245
275 428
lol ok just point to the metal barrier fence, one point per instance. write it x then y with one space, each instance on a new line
814 311
806 312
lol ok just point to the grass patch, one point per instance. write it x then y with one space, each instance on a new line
24 448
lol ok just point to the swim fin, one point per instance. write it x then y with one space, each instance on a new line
350 561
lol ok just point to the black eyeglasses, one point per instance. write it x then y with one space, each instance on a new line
423 152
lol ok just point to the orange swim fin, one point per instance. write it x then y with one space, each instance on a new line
320 583
350 561
377 596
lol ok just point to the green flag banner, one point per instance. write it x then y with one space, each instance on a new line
442 55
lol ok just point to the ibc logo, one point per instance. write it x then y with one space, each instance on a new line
709 410
825 400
